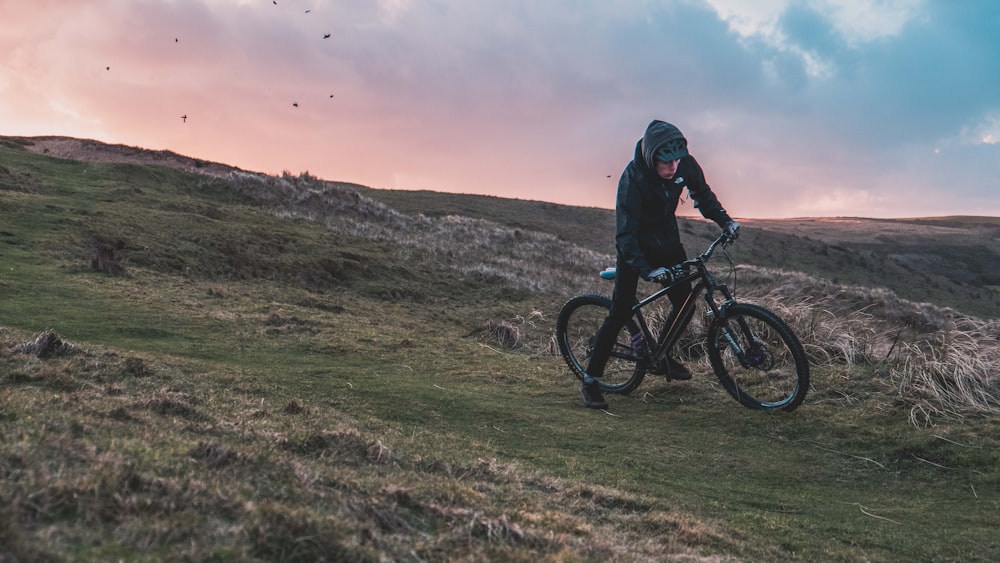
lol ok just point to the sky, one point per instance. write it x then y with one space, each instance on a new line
811 108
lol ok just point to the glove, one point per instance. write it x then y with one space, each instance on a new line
660 275
732 230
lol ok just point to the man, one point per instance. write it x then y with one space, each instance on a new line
648 240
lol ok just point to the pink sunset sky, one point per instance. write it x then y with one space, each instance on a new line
887 108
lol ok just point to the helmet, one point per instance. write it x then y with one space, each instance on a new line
672 150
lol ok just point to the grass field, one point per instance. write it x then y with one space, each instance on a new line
278 369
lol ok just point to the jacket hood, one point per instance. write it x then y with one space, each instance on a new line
662 135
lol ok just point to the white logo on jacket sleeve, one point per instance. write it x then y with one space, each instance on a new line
679 180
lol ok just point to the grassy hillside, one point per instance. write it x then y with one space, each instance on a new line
279 368
948 261
952 261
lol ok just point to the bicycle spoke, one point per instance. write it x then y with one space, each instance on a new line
758 359
576 330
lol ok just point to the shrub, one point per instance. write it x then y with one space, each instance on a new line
107 257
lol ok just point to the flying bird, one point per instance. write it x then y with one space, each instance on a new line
184 118
295 104
107 68
326 36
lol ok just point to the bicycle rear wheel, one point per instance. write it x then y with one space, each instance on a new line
758 359
576 332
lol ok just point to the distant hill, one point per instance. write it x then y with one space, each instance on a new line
951 261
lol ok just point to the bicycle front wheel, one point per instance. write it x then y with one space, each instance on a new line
576 332
758 359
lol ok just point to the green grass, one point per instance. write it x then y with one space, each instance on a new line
268 388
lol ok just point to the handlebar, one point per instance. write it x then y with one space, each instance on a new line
723 240
680 270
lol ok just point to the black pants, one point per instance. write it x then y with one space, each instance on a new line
622 300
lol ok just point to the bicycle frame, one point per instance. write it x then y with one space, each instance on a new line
703 283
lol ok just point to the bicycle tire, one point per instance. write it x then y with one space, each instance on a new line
775 375
576 330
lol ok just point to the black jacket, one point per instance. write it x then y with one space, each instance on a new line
647 234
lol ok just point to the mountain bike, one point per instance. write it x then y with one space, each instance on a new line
753 352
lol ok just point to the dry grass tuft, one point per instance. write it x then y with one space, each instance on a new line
505 333
341 446
378 452
939 361
213 454
279 532
106 256
949 373
294 407
136 367
46 344
166 402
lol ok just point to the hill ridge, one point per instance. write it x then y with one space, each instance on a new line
922 259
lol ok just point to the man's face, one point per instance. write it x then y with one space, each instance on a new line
666 170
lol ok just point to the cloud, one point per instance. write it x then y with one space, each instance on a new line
816 32
860 22
856 22
983 131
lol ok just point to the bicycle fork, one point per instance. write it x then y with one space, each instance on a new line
757 356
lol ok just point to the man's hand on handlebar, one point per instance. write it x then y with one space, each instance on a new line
661 276
732 230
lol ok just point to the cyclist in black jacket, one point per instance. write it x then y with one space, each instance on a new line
648 240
